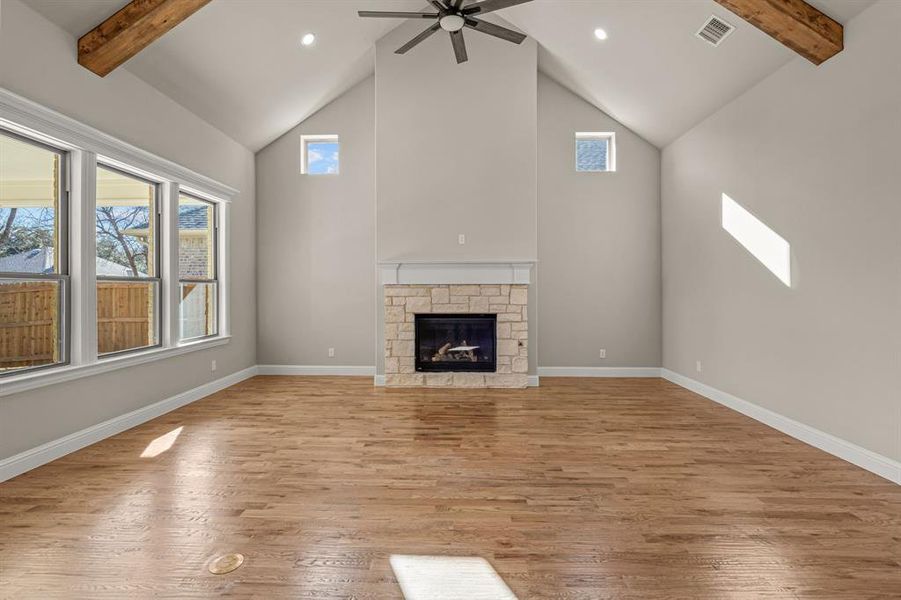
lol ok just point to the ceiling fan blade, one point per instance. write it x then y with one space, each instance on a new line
455 4
459 46
403 49
487 6
495 30
396 15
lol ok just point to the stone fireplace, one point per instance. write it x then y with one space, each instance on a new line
469 334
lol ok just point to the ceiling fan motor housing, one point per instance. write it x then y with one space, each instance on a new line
452 22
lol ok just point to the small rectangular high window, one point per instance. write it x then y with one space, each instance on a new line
595 152
319 154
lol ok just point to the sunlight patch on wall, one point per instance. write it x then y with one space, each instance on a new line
161 444
448 578
763 243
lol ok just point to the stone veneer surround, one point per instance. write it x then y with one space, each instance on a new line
509 302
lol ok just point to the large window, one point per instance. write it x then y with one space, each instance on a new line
128 277
34 283
109 256
198 315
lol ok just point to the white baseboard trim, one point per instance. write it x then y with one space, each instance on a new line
45 453
316 370
379 381
854 454
598 371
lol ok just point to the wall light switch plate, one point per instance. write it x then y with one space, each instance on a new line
461 239
213 366
603 353
698 366
331 353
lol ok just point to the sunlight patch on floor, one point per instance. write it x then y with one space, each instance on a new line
161 444
448 578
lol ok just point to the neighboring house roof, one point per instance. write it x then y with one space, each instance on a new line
193 217
190 218
40 260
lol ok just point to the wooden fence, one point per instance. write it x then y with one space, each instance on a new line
29 323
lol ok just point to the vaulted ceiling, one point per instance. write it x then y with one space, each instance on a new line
239 64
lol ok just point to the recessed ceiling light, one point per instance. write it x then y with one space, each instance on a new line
308 39
600 34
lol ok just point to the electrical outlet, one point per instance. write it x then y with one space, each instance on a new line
213 366
331 353
603 353
698 366
461 239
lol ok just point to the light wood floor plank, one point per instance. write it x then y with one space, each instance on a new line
579 489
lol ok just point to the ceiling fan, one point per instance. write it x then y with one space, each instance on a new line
452 17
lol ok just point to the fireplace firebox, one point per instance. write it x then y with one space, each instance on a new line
456 342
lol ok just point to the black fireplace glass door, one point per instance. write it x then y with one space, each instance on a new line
456 342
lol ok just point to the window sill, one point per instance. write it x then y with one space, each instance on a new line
30 381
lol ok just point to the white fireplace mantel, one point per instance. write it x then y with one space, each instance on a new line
455 272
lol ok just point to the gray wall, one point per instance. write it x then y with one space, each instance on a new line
508 143
814 153
316 242
598 242
457 148
457 153
37 60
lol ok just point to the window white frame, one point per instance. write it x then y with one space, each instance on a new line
61 274
306 140
214 279
609 137
158 273
86 146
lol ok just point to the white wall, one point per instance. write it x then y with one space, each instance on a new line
38 61
814 152
316 242
598 242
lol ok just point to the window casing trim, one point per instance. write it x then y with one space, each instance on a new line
86 147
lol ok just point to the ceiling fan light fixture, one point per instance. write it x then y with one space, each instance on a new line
453 17
452 22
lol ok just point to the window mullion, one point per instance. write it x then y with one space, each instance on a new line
83 253
169 267
222 269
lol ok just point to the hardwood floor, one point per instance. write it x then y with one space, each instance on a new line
602 488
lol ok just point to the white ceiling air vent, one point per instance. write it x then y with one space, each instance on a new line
715 30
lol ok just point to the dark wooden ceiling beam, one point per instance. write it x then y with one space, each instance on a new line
809 32
133 28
